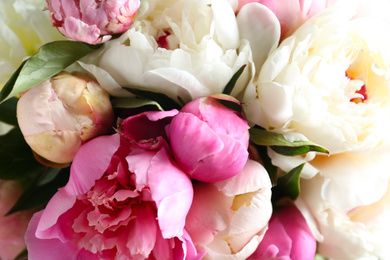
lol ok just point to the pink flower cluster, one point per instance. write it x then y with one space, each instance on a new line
127 197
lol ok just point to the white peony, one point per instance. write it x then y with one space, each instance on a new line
185 49
24 27
330 83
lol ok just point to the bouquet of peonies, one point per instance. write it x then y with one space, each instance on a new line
194 129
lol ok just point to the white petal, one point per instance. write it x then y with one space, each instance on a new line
260 26
225 24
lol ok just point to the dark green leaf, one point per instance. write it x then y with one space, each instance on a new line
8 111
50 59
288 185
163 100
16 158
232 82
280 145
6 90
38 194
134 102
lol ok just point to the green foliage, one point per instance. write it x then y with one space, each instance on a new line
288 185
50 59
280 145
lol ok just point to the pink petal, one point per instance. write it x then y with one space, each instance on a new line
47 249
89 164
172 190
142 230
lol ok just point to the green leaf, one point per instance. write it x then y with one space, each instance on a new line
163 100
134 102
280 145
38 193
16 158
6 90
50 59
288 185
232 82
8 111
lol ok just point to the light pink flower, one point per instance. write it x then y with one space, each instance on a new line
92 21
125 199
229 218
58 115
209 140
288 237
12 227
290 13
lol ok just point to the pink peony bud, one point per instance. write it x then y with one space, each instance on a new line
92 21
209 140
60 114
288 237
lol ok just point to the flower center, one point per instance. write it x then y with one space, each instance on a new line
360 95
363 92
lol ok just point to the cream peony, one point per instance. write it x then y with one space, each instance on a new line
186 49
24 27
330 83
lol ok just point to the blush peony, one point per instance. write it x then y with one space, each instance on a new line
125 199
57 116
228 219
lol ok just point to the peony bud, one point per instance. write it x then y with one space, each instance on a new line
288 237
92 21
209 140
61 113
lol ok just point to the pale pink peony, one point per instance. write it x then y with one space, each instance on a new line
12 227
92 21
290 13
209 140
288 237
125 199
61 113
229 218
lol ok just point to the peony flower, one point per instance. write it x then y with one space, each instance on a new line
288 237
228 219
291 13
209 140
125 199
92 21
185 49
12 227
357 234
60 114
24 27
330 83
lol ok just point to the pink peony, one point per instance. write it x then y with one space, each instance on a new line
125 199
209 140
61 113
92 21
290 13
12 227
288 237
